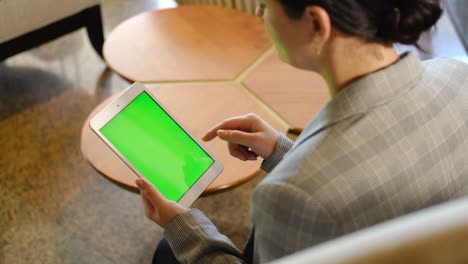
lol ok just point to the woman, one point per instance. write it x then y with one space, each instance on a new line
393 139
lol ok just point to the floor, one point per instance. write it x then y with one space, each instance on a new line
54 208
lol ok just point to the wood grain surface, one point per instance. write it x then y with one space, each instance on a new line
295 95
198 107
185 43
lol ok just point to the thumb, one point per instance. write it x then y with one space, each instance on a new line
237 137
148 189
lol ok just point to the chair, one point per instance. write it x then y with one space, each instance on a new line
27 24
435 235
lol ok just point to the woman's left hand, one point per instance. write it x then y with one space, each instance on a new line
157 208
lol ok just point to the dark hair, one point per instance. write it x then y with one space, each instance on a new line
383 21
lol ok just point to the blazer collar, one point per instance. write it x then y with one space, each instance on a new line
365 93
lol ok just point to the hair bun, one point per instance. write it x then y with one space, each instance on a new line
408 20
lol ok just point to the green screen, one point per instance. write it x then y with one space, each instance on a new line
157 147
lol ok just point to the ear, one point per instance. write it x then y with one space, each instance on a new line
320 22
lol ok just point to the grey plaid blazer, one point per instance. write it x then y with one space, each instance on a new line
392 142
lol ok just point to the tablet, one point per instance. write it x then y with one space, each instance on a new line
138 128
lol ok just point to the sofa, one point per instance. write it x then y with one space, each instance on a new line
27 24
435 235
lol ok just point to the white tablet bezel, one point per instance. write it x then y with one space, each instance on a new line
114 107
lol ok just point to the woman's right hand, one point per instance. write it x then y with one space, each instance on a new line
248 136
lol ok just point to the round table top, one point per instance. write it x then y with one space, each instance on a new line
210 63
186 43
295 95
198 107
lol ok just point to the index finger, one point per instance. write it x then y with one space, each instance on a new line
238 122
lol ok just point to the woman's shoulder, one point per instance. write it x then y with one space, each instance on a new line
447 77
454 66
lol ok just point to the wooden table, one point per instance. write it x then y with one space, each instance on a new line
206 63
295 95
199 107
185 43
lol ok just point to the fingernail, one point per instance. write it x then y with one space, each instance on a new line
139 182
252 158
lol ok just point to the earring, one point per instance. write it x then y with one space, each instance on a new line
317 51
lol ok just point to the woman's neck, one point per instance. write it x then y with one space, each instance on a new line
350 59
